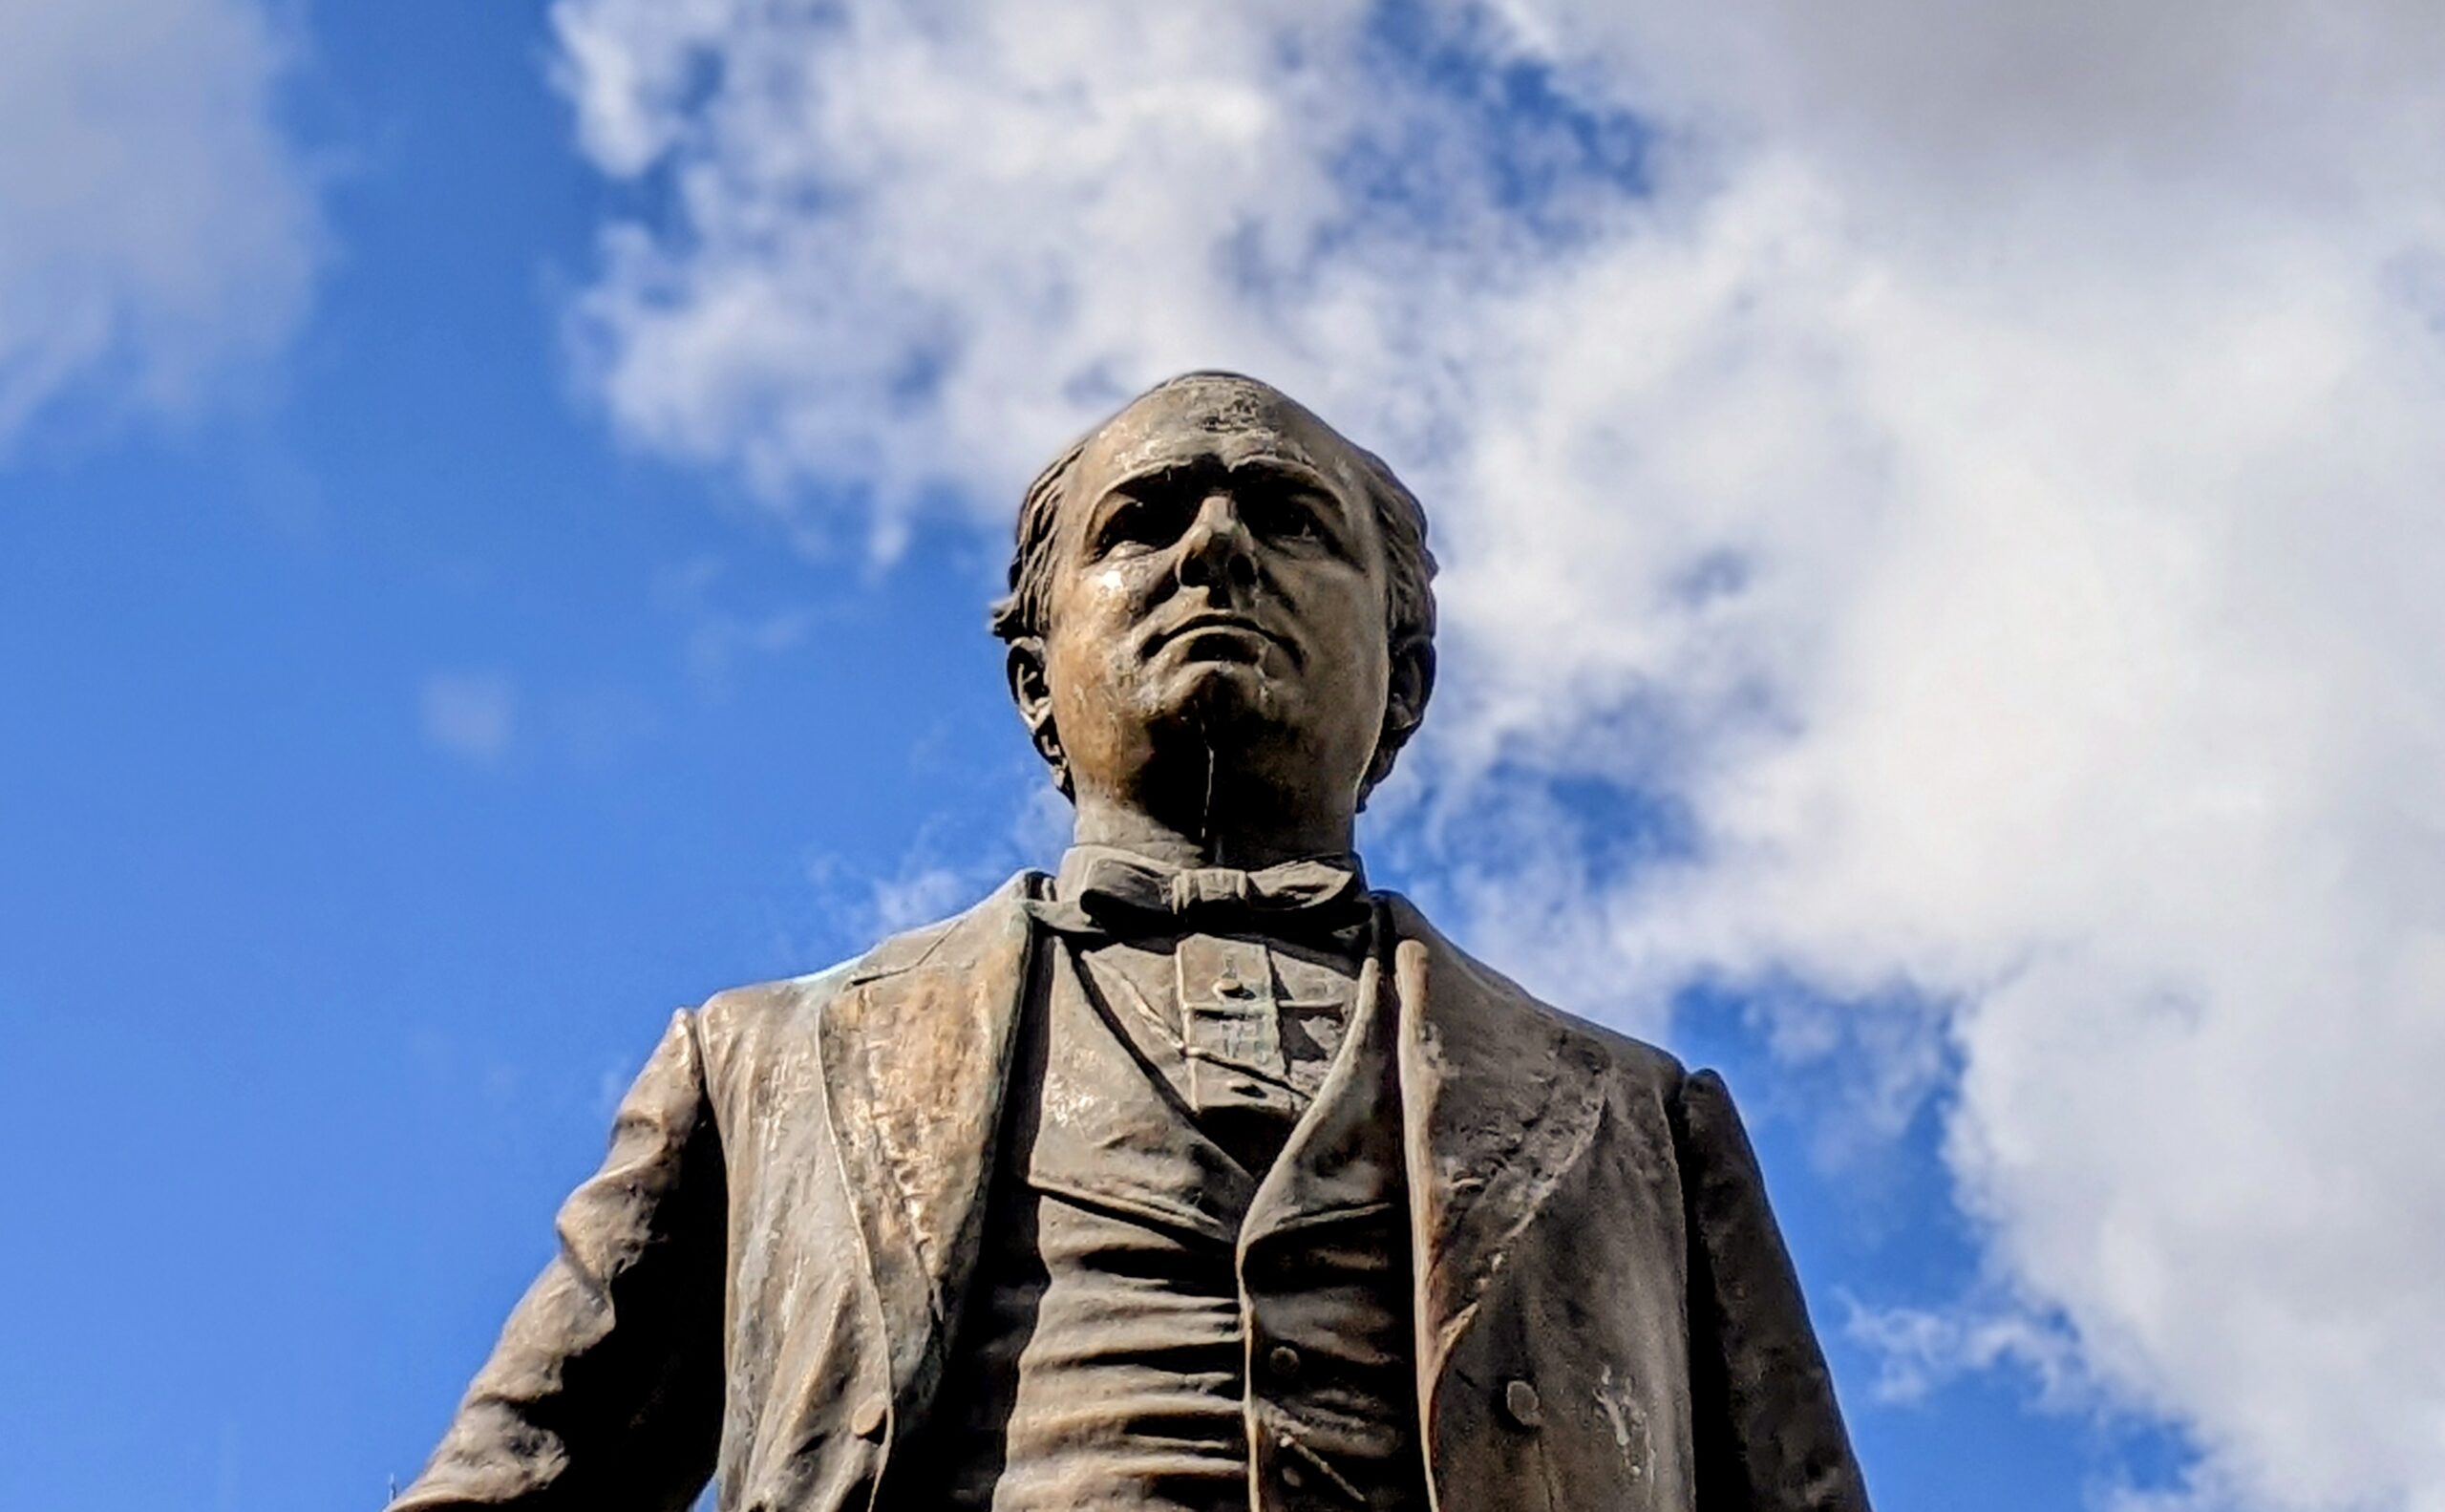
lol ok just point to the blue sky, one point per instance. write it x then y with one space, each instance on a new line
479 658
322 1017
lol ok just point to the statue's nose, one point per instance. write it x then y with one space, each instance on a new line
1215 550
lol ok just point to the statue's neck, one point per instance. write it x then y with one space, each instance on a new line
1224 839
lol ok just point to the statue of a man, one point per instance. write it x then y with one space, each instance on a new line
1196 1175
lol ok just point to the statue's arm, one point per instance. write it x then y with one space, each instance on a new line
604 1391
1768 1433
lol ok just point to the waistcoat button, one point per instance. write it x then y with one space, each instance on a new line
868 1420
1521 1404
1284 1361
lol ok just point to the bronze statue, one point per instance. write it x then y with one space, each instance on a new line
1197 1176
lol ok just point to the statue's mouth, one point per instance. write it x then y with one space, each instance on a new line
1226 631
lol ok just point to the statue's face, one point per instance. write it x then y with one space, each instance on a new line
1219 580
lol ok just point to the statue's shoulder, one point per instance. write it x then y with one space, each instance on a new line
1506 1013
762 1009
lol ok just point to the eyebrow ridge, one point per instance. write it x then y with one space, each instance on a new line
1208 471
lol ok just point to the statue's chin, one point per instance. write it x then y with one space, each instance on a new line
1223 697
1223 732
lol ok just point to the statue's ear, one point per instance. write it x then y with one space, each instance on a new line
1411 685
1032 691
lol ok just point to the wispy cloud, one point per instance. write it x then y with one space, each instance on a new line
1919 1349
1972 469
471 715
159 230
720 632
946 866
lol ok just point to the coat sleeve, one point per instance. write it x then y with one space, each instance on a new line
604 1391
1767 1433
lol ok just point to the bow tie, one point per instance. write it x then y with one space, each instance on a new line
1111 892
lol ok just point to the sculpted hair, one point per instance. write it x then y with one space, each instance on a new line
1400 525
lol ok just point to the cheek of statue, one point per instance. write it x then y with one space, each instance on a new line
1101 698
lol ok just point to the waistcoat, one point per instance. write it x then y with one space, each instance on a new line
1155 1327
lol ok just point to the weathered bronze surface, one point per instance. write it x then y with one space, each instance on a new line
1199 1175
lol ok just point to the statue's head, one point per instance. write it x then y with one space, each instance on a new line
1216 586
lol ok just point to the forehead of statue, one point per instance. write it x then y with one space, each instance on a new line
1224 422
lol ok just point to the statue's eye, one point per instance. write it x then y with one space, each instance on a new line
1134 521
1284 514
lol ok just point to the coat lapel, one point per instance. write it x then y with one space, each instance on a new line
916 1061
1499 1099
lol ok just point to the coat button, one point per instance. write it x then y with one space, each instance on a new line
1282 1361
1521 1406
868 1420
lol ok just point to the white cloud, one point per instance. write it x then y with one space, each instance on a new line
1921 1349
471 715
155 227
1984 491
